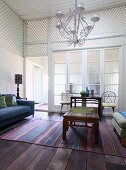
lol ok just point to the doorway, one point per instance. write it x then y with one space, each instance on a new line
38 79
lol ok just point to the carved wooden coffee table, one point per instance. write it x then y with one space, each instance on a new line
70 118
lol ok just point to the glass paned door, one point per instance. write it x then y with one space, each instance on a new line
93 71
59 76
75 72
111 70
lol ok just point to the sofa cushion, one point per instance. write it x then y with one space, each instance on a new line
13 111
10 100
2 102
120 119
109 104
121 131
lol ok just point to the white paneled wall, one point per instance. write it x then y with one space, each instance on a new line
11 49
10 64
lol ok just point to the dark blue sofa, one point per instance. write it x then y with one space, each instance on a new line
12 114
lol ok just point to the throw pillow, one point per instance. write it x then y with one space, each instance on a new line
2 102
10 100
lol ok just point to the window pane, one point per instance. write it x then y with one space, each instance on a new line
93 71
93 67
93 56
60 57
76 57
111 78
57 100
77 79
58 89
111 54
96 89
113 88
75 68
111 67
60 68
59 79
74 88
93 78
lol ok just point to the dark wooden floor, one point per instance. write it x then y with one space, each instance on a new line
24 156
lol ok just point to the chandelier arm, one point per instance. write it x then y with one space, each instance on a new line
92 27
63 35
84 22
85 34
65 27
68 19
63 31
78 24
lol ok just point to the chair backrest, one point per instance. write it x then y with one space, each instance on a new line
108 97
65 95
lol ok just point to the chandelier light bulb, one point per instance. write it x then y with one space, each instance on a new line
80 8
60 14
58 25
95 18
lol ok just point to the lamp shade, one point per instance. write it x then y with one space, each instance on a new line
18 78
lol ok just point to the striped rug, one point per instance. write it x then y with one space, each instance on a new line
49 133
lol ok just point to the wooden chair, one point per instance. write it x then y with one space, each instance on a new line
108 100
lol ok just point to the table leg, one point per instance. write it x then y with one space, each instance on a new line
96 130
99 109
65 128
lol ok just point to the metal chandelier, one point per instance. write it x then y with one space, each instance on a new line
75 28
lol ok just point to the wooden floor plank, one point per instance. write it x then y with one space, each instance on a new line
112 166
77 160
5 146
96 162
42 160
114 159
124 159
60 159
12 154
24 160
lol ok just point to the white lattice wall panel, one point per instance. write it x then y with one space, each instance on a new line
55 34
11 30
112 21
37 30
94 43
37 50
109 31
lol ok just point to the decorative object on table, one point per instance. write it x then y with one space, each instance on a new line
75 28
92 93
87 92
83 93
18 80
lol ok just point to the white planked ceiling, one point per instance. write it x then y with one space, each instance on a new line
32 9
